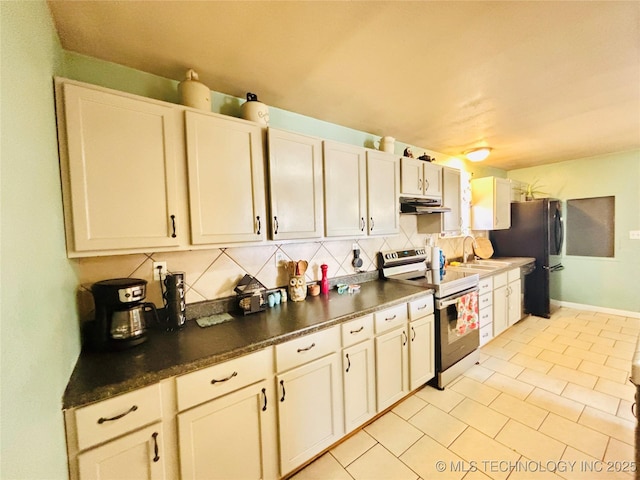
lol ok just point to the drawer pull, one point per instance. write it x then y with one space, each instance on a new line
224 379
353 332
349 364
390 318
101 420
283 390
300 350
264 397
155 447
422 307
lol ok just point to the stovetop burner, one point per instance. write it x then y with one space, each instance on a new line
409 266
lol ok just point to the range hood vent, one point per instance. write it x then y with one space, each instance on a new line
419 206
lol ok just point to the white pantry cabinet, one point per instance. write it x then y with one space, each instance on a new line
119 157
420 178
295 181
490 203
226 179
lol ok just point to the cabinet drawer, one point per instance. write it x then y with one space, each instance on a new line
357 330
513 275
485 285
305 349
486 316
485 300
500 280
486 334
421 307
390 318
197 387
114 417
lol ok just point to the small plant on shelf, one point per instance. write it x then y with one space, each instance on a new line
531 191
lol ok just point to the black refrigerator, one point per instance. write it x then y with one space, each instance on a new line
536 231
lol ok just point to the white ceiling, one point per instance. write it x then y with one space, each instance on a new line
540 82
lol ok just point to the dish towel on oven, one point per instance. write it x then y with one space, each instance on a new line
467 313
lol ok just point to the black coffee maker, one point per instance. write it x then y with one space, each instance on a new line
120 320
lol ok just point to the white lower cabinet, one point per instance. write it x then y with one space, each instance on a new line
507 301
421 351
229 437
138 455
227 420
392 367
310 416
514 305
358 376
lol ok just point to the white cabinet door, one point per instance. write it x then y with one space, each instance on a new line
383 193
421 351
411 176
452 221
345 190
358 374
138 455
500 310
514 301
432 180
310 415
392 367
120 180
503 204
226 180
295 180
230 437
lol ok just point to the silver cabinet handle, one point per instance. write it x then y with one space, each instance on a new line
362 224
372 224
259 225
413 331
404 335
307 348
388 319
422 307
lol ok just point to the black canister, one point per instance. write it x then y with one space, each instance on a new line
174 300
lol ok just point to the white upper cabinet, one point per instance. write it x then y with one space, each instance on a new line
295 180
491 203
345 190
226 179
420 178
451 221
119 159
383 193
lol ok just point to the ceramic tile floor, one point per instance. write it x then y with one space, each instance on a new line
550 399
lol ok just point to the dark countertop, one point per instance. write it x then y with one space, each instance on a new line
98 376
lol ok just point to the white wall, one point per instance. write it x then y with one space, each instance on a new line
39 336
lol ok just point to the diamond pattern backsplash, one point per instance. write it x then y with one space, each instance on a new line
213 274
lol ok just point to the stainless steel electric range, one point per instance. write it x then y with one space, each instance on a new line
456 308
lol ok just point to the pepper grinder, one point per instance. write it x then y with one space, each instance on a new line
324 283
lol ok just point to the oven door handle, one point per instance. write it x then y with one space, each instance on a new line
440 304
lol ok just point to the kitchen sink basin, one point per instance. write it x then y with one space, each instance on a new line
481 266
496 263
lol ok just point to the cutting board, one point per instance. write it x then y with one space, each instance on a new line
482 247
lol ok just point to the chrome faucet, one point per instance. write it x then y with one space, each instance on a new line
464 250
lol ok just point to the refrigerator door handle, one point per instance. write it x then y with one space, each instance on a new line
554 268
559 231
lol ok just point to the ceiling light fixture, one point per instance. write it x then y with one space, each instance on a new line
477 154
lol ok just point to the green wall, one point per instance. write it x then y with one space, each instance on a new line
603 282
39 326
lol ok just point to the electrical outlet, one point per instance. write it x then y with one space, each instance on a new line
634 234
280 259
159 270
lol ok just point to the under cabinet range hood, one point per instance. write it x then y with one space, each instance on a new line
419 206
